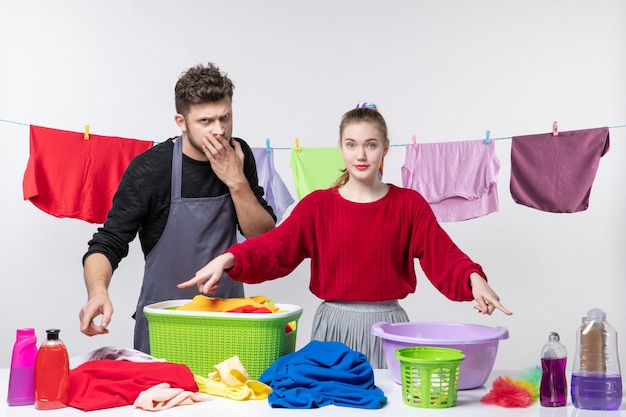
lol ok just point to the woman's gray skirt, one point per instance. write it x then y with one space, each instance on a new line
351 323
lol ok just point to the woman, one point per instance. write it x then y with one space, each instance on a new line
362 237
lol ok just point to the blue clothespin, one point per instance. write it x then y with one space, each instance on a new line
267 145
487 135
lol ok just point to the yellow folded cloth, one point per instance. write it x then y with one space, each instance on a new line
219 305
163 396
231 380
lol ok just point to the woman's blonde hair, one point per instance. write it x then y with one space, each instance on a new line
364 112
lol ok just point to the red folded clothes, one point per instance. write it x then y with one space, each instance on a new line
251 309
101 384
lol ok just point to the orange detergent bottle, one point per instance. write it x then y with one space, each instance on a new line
52 373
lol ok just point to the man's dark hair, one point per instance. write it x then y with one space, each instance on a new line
201 84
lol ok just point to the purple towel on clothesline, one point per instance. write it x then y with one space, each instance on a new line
555 173
277 194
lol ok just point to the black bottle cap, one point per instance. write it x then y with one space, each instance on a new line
53 334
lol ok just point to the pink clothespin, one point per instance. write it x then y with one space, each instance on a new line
414 140
555 128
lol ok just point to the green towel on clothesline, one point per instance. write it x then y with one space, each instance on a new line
315 168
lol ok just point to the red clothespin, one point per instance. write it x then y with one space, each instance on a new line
297 145
555 128
86 132
487 139
414 140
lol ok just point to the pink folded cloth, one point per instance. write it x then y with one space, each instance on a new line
163 396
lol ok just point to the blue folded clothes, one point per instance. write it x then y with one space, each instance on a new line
320 374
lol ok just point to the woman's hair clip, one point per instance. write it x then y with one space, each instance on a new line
366 105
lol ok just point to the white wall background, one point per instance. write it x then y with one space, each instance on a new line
442 70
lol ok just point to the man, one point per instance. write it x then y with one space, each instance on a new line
185 197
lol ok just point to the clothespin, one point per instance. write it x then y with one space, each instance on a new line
297 145
86 132
487 135
414 140
555 128
267 145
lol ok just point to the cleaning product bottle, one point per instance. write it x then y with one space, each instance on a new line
22 374
52 373
596 377
553 387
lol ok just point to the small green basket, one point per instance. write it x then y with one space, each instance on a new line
429 375
203 339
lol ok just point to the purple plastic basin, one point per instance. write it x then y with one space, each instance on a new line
478 343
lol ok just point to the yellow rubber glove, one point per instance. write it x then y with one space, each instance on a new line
231 380
220 389
231 372
259 391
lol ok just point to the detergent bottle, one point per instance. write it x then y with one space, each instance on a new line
553 387
596 378
22 374
52 373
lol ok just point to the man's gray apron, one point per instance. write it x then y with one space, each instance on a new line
197 230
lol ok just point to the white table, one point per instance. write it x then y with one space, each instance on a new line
468 404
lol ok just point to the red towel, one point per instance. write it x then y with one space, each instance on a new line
68 176
555 173
107 383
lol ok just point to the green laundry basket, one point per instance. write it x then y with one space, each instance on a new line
429 376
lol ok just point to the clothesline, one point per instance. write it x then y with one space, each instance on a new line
317 169
500 138
289 148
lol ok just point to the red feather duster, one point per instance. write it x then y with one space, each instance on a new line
514 393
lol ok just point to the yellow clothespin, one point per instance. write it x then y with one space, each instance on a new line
86 132
297 145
